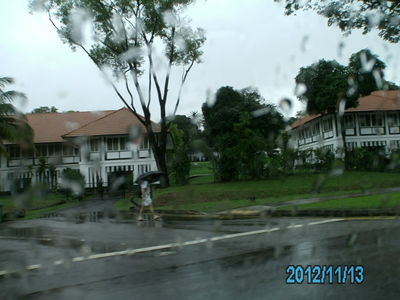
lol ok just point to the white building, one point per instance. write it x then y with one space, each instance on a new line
374 123
96 143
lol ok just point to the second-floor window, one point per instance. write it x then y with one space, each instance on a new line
145 143
14 151
69 150
393 119
94 145
116 143
307 132
327 125
349 122
315 129
46 150
371 120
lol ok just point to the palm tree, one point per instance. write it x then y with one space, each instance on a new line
13 125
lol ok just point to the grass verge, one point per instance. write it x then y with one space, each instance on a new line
381 201
294 187
34 204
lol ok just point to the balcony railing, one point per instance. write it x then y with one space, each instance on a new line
119 155
144 153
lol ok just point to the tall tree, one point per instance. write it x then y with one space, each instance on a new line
13 126
384 15
127 34
45 109
326 84
239 126
188 127
367 71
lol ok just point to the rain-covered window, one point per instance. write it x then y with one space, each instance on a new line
393 120
14 151
349 121
116 143
94 144
145 143
316 129
371 120
327 124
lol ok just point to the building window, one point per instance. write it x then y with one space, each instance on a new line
316 129
14 151
327 125
371 120
122 143
307 132
69 150
145 143
301 134
393 119
94 145
349 122
116 143
46 150
41 150
51 150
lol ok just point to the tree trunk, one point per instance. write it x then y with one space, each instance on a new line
159 149
343 135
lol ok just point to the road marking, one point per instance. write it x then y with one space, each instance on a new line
175 245
33 267
295 226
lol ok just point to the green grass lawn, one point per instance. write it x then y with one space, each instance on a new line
211 197
35 204
203 167
390 200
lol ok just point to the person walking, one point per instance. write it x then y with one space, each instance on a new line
147 200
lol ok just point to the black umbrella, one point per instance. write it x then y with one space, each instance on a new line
151 176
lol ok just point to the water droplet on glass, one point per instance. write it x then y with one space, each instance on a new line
378 78
304 43
79 19
366 65
260 112
286 105
340 48
169 18
132 54
210 98
342 107
135 132
119 28
300 89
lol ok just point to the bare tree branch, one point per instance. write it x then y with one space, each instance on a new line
154 74
185 74
171 59
99 67
149 97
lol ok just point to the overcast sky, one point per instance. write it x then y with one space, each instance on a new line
249 43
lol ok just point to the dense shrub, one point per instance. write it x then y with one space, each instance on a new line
366 159
323 159
73 181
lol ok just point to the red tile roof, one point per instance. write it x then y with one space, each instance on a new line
376 101
116 122
53 127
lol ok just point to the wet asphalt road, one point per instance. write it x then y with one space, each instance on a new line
239 267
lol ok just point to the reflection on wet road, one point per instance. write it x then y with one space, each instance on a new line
241 259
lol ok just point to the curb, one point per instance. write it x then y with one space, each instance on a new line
336 212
